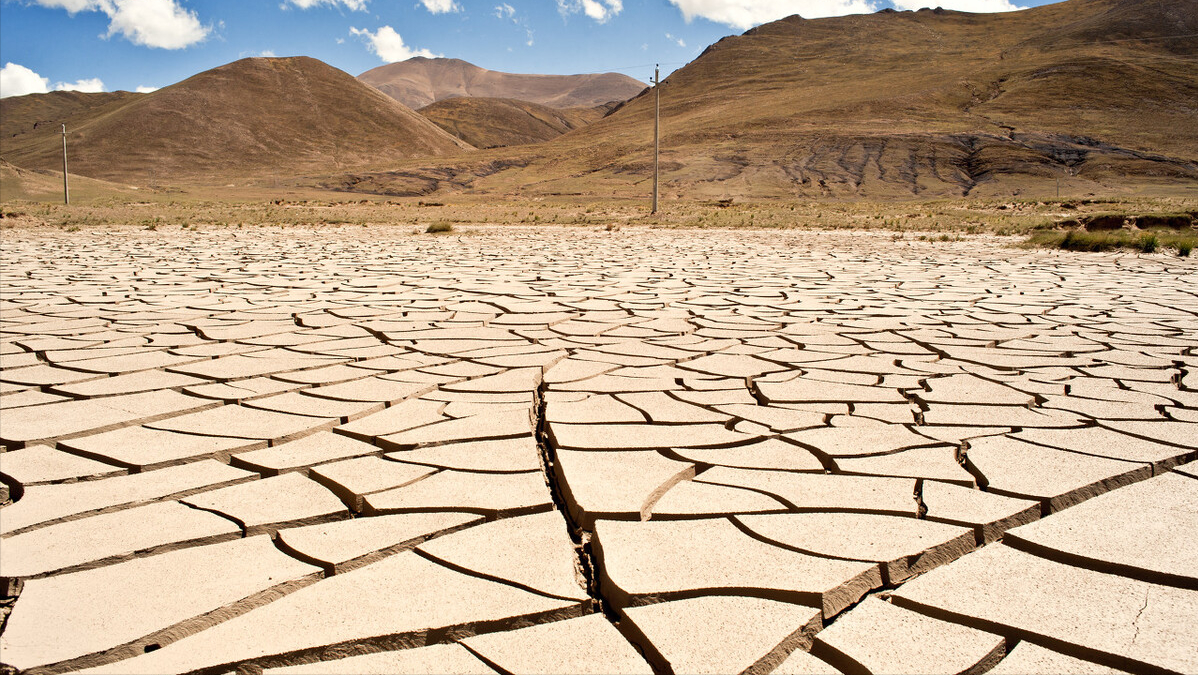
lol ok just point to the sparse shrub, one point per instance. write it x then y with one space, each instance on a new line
439 227
1147 243
152 226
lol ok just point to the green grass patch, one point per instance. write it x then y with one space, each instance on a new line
1182 241
1147 243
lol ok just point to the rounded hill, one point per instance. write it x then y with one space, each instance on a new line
421 81
498 122
253 116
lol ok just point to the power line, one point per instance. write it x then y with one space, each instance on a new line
66 192
656 134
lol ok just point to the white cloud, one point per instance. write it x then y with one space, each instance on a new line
744 14
505 11
599 10
90 86
17 80
440 6
265 53
977 6
352 5
150 23
154 23
71 6
143 89
388 45
677 40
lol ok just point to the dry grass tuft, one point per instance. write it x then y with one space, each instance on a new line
1146 242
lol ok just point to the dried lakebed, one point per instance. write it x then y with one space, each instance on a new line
348 450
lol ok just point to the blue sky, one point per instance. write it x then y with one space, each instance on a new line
129 44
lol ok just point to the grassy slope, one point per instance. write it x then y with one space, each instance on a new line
899 104
1098 94
419 82
20 115
253 117
499 122
46 186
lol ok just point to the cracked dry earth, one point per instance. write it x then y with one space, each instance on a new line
354 451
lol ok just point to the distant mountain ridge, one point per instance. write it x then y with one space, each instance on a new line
279 116
1097 94
26 114
420 81
500 122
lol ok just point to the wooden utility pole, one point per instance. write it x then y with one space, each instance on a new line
66 191
656 132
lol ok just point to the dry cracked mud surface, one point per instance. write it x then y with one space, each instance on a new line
516 451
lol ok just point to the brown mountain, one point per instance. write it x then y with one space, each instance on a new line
25 114
46 186
248 118
420 81
1101 94
498 122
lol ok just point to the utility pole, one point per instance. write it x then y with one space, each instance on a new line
656 133
66 192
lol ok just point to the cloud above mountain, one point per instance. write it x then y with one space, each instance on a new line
17 80
441 6
601 11
352 5
978 6
162 24
388 45
745 14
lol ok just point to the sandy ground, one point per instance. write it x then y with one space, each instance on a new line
356 450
